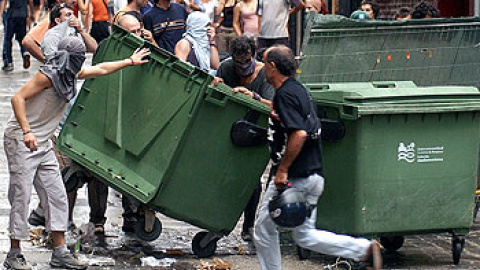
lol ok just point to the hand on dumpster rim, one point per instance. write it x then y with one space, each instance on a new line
216 81
281 179
138 55
243 90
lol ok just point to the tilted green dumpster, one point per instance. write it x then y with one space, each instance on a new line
407 163
428 52
162 134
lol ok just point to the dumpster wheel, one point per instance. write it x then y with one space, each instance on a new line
458 242
204 244
144 235
392 243
303 253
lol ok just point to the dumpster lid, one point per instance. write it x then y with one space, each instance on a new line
395 97
391 92
320 21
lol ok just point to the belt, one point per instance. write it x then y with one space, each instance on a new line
225 30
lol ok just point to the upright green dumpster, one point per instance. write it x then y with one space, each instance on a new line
429 52
163 135
407 163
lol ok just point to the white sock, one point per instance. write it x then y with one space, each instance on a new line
62 249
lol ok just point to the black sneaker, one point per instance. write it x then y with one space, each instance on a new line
247 236
129 225
35 219
8 67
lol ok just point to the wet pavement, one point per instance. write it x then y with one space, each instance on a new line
174 244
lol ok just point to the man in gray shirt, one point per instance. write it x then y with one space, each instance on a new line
273 21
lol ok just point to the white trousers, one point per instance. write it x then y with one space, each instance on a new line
306 235
39 168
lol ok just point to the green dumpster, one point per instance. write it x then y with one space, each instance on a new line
407 162
428 52
163 135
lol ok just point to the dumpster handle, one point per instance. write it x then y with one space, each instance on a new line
384 85
347 112
216 97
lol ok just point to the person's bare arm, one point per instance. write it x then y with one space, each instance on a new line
83 6
90 42
297 9
219 13
259 21
182 49
251 94
147 35
34 86
214 57
2 8
236 19
31 7
33 48
221 5
106 68
294 146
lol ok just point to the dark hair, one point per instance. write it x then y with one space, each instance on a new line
136 14
403 12
49 4
283 58
242 45
56 12
374 5
422 9
129 1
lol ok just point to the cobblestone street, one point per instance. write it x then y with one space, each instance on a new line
419 252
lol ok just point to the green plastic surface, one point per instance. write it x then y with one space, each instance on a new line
427 52
160 133
407 163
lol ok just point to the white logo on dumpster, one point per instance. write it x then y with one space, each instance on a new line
406 152
420 153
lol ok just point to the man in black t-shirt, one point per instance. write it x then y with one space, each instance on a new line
296 154
244 74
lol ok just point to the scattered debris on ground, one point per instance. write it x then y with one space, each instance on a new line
216 264
154 262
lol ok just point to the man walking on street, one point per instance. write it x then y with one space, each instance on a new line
296 155
16 26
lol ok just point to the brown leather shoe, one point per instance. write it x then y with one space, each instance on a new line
26 60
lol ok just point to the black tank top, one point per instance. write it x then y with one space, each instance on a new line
227 17
192 58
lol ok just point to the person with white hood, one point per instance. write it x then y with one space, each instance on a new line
198 45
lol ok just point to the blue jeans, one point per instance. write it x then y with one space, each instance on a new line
17 27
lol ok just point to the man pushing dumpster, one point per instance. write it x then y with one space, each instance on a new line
38 107
295 149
